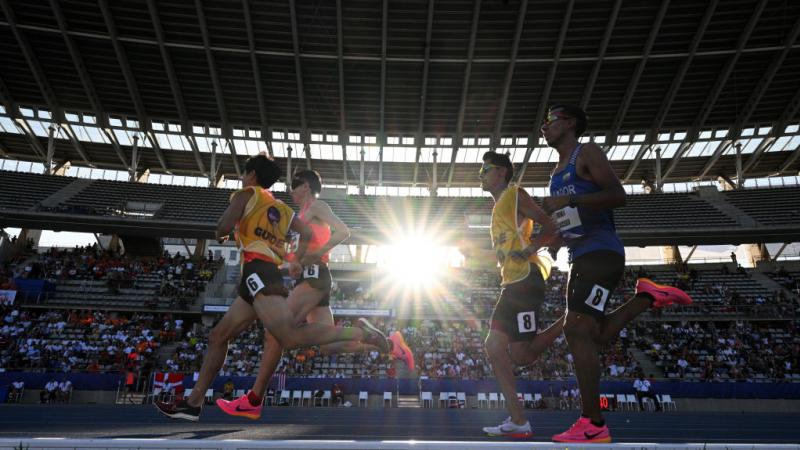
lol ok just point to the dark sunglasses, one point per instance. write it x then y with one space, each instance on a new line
552 117
485 168
296 183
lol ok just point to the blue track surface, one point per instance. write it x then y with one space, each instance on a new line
108 421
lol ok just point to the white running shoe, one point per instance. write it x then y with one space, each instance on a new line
510 429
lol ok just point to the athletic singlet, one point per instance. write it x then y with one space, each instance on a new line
515 236
583 229
262 230
320 235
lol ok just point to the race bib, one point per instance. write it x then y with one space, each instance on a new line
311 271
526 322
598 297
293 243
254 283
568 222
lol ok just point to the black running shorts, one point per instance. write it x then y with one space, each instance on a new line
261 277
518 308
318 276
593 277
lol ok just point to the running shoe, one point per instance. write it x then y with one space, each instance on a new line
662 295
510 429
179 409
240 407
400 349
584 432
373 336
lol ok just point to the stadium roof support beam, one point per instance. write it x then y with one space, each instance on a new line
266 131
122 58
298 71
212 70
677 81
611 139
342 105
533 140
175 88
719 85
4 150
462 107
382 109
12 109
501 111
750 108
57 114
419 140
612 20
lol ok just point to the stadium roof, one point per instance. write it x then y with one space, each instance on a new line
402 80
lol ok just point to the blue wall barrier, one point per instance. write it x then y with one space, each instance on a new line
109 382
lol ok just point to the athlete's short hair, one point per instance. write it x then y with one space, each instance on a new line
574 112
501 160
311 177
266 169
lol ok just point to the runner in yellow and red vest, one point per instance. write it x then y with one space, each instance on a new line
309 300
519 229
261 224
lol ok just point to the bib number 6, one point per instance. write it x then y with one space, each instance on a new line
311 271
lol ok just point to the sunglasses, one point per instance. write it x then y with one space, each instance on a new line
552 117
297 183
485 168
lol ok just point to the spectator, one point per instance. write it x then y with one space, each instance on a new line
17 389
337 395
644 390
227 390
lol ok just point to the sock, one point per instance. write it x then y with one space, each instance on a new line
599 424
253 398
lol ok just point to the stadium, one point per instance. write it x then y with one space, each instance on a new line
128 129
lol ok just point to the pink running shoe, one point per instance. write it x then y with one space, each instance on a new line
240 407
584 432
662 295
401 350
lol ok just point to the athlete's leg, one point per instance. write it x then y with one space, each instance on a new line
615 321
582 331
278 319
301 300
526 352
238 317
497 344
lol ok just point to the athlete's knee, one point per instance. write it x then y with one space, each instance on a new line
580 326
219 337
495 346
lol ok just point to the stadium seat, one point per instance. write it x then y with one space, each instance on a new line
387 397
427 399
483 402
363 398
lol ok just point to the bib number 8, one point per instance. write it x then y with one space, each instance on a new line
526 322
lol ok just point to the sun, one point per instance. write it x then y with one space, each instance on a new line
416 261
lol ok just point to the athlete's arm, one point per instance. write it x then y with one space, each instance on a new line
232 214
611 194
299 227
527 208
323 212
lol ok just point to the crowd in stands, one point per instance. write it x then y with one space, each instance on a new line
82 341
723 351
181 279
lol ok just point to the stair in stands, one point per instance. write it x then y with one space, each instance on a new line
67 192
714 198
647 365
408 401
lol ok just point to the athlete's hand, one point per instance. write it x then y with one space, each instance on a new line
222 239
551 204
295 269
311 258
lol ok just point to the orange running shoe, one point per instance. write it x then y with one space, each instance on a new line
401 350
240 407
662 295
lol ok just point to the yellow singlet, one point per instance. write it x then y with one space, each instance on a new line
508 235
261 232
